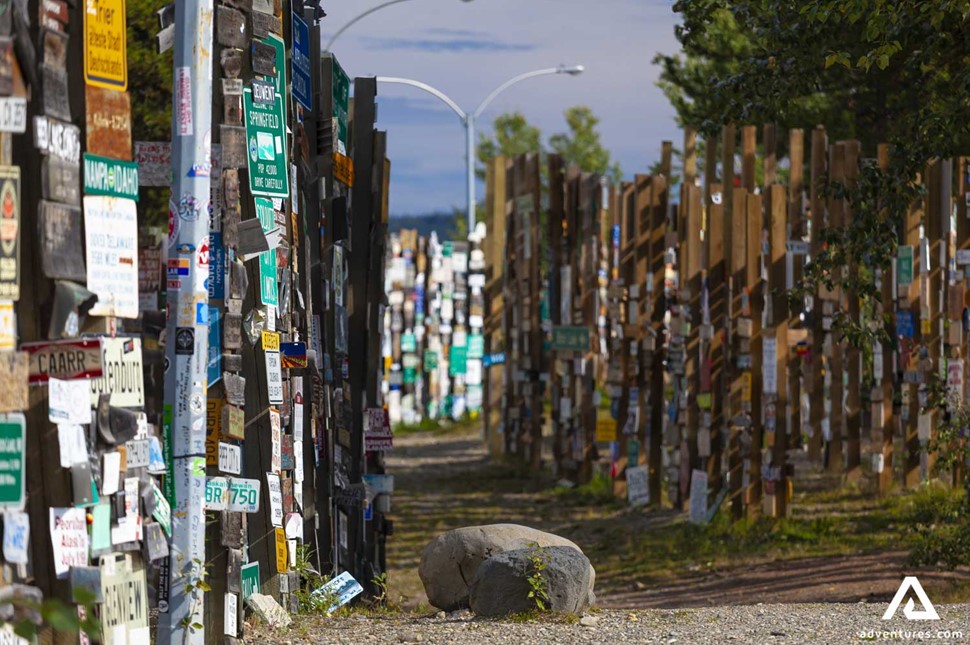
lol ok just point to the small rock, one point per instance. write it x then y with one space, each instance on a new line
269 610
440 615
777 633
639 586
411 637
589 621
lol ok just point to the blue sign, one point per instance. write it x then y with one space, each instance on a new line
616 236
302 86
493 359
904 324
217 267
215 346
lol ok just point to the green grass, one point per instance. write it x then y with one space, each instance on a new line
436 426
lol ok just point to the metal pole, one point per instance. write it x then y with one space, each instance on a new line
186 346
470 148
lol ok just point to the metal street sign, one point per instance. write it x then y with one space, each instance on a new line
13 429
104 176
904 266
266 143
268 289
797 247
302 86
105 40
574 339
65 360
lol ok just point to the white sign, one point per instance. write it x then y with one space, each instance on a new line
637 489
276 441
963 256
274 378
698 497
230 612
216 494
111 233
58 139
380 483
230 458
244 495
769 365
129 527
123 377
136 453
69 539
16 536
69 401
72 444
124 612
275 499
13 114
298 463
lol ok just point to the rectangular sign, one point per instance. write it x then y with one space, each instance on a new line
111 231
61 243
244 495
105 44
904 266
230 458
302 85
10 220
274 378
123 376
125 607
574 339
250 579
65 359
13 446
266 134
268 289
111 177
13 114
108 121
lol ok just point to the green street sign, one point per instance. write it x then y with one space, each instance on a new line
408 343
410 375
458 361
13 446
575 339
476 346
266 142
268 289
430 360
904 266
111 177
250 579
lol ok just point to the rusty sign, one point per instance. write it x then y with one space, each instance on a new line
64 359
108 122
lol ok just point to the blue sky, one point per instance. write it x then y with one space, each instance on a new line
466 49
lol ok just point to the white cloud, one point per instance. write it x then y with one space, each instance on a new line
467 49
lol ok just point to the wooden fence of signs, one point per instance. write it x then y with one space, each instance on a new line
716 389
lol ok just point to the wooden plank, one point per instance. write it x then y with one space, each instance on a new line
777 497
797 368
884 426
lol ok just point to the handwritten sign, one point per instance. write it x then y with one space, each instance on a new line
111 229
69 539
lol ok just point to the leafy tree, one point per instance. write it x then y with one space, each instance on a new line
582 146
513 135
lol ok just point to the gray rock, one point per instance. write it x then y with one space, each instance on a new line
449 562
501 585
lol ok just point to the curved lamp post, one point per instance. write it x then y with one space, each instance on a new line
468 119
360 17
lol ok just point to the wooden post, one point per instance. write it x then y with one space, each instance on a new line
853 419
776 432
832 301
814 379
962 243
909 305
937 217
796 188
712 309
754 287
495 265
557 380
883 421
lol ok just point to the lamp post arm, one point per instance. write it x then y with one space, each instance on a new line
358 19
427 88
509 83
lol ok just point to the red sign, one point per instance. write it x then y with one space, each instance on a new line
64 359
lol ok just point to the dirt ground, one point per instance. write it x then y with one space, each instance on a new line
445 481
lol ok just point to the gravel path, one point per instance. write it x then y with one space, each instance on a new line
808 623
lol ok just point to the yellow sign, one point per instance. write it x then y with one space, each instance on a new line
8 326
343 169
213 421
271 341
746 386
281 558
606 429
924 327
105 44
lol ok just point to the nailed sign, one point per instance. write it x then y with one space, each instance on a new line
103 176
125 593
111 229
570 338
61 246
65 359
266 146
108 114
123 378
12 462
302 86
105 44
10 232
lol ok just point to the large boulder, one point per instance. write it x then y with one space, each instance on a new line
449 562
502 583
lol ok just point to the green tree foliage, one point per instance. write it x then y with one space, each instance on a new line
150 86
513 135
582 146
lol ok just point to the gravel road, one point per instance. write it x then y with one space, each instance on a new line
809 623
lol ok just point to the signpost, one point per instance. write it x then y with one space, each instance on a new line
184 409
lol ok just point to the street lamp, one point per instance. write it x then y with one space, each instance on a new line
360 17
468 119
